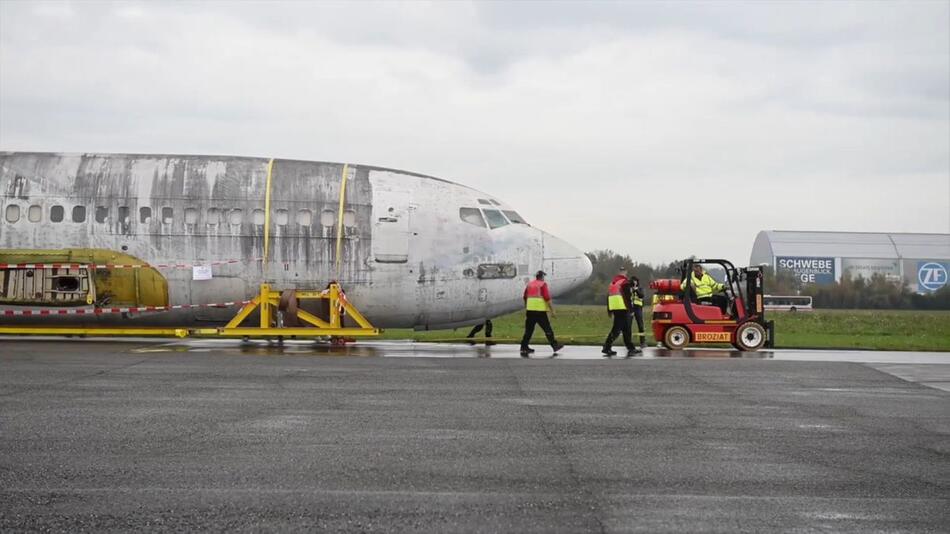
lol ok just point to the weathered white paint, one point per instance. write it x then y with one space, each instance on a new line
416 268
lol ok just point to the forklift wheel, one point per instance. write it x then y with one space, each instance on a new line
676 338
750 336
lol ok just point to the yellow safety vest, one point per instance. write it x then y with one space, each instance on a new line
615 296
535 301
705 286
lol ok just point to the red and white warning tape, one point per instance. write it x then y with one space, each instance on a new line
120 265
101 311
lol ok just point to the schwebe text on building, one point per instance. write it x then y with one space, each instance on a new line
808 270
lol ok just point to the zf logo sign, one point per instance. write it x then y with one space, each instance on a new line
931 276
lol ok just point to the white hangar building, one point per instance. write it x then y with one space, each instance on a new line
921 261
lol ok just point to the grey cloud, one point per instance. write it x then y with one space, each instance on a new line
573 112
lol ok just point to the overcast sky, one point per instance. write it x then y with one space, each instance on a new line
655 129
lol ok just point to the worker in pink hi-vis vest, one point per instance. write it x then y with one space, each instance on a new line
537 302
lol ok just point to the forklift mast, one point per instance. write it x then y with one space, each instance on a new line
754 277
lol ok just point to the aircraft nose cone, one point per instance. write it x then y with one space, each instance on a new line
567 266
588 269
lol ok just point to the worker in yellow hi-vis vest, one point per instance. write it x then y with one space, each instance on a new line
705 289
537 302
618 306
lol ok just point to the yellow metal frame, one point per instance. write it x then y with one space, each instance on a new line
267 301
93 331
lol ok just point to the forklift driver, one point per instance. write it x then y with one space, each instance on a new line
704 289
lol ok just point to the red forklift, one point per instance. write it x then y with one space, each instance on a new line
680 319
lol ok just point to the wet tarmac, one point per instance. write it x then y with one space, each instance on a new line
928 368
389 436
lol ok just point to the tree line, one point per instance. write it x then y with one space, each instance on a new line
607 264
875 293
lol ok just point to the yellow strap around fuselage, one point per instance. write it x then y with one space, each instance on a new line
339 224
270 170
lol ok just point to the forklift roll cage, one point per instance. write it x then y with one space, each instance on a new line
744 289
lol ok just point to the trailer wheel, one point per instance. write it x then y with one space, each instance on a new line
676 338
750 337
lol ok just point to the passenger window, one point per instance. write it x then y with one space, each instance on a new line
79 214
124 215
102 213
484 201
236 217
258 217
349 218
282 217
304 217
471 216
191 216
495 219
56 214
327 218
145 215
489 271
214 216
34 214
168 215
514 217
13 213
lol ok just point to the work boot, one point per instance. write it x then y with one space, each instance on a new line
635 351
608 352
558 347
525 353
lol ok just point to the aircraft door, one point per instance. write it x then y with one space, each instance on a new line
391 226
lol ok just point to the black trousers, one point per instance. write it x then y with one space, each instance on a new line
478 328
638 315
621 325
539 318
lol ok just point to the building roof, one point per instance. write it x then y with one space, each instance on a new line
771 243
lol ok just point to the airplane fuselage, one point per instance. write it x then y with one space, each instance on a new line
409 250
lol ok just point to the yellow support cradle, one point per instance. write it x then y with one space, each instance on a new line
268 301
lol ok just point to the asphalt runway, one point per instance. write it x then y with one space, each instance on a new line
392 437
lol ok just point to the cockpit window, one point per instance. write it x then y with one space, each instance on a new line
484 201
514 217
495 219
471 216
495 202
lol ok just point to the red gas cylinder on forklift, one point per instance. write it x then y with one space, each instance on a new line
666 286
